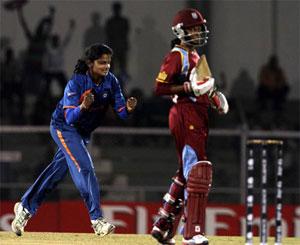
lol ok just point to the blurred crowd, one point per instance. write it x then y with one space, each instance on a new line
32 82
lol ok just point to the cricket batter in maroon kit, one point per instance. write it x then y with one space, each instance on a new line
188 122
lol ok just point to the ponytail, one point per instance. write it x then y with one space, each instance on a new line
81 67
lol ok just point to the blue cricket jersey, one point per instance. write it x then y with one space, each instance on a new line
67 114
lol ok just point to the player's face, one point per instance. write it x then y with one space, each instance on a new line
101 66
194 34
194 30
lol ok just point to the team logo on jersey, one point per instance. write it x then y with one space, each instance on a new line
104 95
162 76
194 15
69 94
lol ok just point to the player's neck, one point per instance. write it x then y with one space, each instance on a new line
186 46
97 79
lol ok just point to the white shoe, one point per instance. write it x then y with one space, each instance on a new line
21 217
102 227
198 239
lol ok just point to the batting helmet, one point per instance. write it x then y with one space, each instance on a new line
186 19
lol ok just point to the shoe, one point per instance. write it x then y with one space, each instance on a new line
168 242
102 227
162 236
21 217
196 240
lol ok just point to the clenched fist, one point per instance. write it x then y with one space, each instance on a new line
131 104
88 100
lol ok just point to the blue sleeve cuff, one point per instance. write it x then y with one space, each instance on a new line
72 115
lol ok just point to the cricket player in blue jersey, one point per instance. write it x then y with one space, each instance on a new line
87 96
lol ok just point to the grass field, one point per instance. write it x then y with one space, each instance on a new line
37 238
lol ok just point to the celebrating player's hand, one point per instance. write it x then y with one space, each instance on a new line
131 104
88 100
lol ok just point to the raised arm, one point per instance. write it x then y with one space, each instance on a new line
24 25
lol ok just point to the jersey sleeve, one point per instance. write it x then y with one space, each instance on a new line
119 103
165 78
71 102
72 95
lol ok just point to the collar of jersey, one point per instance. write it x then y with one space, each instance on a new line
94 84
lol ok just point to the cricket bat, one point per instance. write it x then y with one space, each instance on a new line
202 68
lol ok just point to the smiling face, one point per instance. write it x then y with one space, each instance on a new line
100 67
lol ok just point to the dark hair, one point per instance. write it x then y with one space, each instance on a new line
273 61
91 53
117 6
174 42
41 32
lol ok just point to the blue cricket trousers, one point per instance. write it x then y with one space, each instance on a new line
72 154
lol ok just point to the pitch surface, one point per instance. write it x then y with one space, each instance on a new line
37 238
